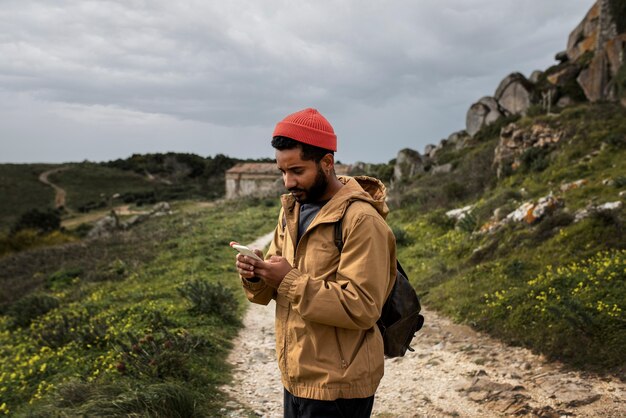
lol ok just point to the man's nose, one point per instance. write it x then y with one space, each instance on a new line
289 181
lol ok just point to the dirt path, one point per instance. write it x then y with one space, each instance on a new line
59 198
454 372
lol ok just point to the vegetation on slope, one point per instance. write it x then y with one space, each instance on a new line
556 286
134 324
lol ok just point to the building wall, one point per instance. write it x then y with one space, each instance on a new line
251 185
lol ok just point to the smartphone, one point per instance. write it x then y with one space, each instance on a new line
245 250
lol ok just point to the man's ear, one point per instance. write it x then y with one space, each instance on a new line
328 162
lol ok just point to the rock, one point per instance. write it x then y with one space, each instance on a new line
408 163
482 113
513 94
585 36
566 187
459 139
161 207
104 226
429 148
622 193
608 182
515 141
561 56
609 206
565 101
440 169
597 34
593 79
458 214
591 209
534 76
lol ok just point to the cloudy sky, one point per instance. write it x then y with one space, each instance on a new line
101 80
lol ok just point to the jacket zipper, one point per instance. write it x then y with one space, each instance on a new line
343 361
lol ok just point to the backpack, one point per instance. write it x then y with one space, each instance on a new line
400 318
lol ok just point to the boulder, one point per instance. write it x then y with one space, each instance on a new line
597 35
408 163
561 56
459 139
104 226
594 79
585 36
514 93
566 187
534 76
460 213
441 169
429 148
482 113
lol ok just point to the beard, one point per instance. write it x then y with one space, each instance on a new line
315 192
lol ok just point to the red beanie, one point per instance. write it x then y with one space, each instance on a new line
308 126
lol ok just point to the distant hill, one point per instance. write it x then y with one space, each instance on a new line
138 180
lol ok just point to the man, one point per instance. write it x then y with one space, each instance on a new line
329 349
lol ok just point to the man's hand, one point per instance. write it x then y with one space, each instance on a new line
272 271
244 266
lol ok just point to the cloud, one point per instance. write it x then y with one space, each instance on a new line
246 63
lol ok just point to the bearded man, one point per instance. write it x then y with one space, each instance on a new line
329 349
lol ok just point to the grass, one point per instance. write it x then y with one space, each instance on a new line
548 286
101 328
21 190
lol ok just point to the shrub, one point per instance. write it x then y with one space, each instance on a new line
402 237
30 307
535 159
211 299
468 223
166 399
159 355
42 221
57 329
63 278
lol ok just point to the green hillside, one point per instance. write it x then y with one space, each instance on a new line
136 324
20 189
555 284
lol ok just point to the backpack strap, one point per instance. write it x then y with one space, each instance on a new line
338 237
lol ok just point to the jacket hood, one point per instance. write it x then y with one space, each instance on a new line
363 188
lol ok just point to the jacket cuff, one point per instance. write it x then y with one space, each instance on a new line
288 285
259 284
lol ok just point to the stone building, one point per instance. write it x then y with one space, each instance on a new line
260 180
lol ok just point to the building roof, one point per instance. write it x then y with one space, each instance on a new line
254 168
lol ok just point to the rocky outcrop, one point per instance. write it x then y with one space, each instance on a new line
482 113
514 94
408 163
597 36
514 141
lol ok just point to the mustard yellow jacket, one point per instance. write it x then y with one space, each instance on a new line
327 342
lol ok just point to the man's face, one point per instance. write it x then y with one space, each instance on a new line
304 179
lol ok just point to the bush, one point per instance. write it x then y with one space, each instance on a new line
468 223
63 278
535 159
211 299
42 221
160 355
57 329
402 237
30 307
167 399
